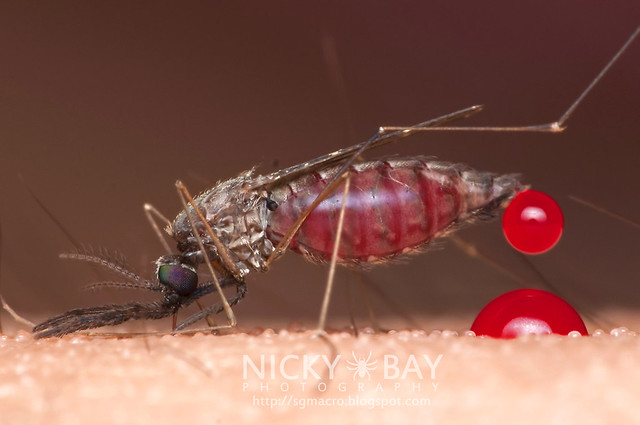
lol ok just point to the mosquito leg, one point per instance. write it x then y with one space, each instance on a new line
241 288
6 307
595 81
396 308
210 311
473 252
184 195
334 259
78 246
367 303
553 127
600 322
605 211
352 319
336 75
152 213
50 214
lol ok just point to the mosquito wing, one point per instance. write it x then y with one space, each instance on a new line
379 139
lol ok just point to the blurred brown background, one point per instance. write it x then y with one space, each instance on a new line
104 106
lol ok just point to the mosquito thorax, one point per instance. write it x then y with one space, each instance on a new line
174 272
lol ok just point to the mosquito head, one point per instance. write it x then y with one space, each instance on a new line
176 272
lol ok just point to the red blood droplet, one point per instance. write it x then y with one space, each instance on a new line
533 222
527 311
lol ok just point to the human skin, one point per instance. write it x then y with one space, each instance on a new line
201 378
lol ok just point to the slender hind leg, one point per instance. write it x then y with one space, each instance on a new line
552 127
605 211
334 259
367 303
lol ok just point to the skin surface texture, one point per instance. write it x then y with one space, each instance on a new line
443 378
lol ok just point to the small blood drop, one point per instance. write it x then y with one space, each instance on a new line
533 222
527 311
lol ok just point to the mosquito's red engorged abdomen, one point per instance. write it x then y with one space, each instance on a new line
393 206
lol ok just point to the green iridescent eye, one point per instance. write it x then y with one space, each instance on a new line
181 278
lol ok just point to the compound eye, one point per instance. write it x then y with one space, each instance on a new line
180 277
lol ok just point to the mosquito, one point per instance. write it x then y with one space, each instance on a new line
336 208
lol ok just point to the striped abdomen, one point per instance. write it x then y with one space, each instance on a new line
394 206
